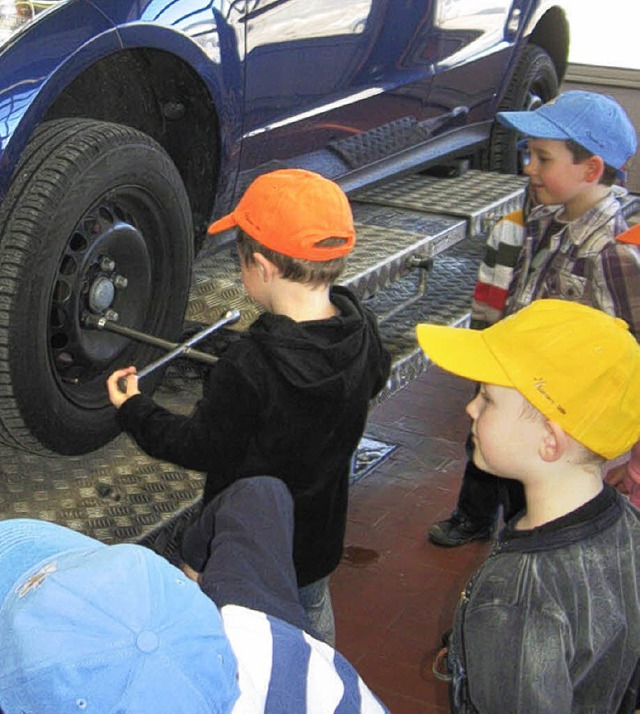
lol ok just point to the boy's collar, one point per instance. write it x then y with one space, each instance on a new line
596 217
594 516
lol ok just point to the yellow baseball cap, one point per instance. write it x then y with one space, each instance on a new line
577 365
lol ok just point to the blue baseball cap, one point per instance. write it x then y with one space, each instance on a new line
595 121
86 627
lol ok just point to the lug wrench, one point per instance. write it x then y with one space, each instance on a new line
102 323
175 349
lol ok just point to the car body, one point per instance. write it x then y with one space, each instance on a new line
186 101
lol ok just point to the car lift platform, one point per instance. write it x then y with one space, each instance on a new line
420 240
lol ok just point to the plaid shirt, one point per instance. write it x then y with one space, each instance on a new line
579 261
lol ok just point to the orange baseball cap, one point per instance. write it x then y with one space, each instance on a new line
291 211
631 235
575 364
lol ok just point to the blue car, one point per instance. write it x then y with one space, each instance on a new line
127 125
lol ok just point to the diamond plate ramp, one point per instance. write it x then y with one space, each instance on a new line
446 301
478 196
119 494
114 494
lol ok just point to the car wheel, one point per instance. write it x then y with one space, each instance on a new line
533 83
96 221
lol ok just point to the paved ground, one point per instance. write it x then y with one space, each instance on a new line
394 593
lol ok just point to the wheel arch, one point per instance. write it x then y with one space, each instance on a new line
160 94
551 33
168 88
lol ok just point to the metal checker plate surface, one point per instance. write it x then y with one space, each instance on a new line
114 494
386 240
477 195
118 493
446 301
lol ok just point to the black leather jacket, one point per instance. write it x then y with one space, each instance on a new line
551 621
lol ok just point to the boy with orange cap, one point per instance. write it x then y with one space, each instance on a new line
290 397
551 621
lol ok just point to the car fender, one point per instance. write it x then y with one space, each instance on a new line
546 25
221 71
32 79
533 12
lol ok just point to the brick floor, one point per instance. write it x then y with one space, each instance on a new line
394 592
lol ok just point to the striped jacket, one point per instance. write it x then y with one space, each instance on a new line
496 270
283 670
581 261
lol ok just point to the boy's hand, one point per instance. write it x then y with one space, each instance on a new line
616 477
116 396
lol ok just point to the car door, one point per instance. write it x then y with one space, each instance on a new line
468 46
322 72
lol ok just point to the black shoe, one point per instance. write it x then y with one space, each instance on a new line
458 530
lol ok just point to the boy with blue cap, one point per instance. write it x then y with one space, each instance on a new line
551 622
566 248
86 627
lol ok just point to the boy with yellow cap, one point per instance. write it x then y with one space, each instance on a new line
551 621
578 145
290 397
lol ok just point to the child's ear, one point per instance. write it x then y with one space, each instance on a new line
265 267
554 442
594 166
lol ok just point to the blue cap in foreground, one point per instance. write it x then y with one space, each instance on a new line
96 628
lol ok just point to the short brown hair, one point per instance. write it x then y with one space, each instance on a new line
579 153
295 269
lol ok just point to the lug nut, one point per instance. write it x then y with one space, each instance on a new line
120 281
107 264
111 315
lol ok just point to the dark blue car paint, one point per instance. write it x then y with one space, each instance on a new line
37 66
126 126
284 77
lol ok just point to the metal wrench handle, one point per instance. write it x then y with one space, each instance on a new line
183 348
101 323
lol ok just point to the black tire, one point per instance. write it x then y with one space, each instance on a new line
534 82
90 201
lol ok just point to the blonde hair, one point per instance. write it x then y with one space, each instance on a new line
583 455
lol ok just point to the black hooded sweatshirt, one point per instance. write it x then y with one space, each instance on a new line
288 399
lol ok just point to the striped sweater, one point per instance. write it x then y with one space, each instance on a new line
579 260
283 670
496 270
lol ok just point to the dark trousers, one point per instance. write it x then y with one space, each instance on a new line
482 493
242 544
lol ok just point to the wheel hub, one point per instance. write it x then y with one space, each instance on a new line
104 250
101 295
